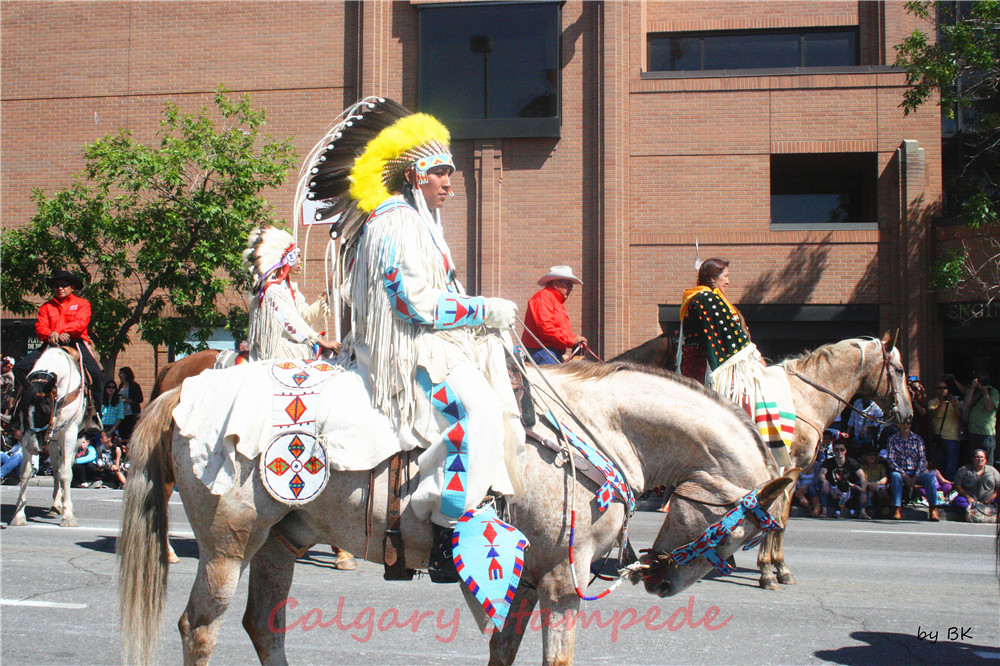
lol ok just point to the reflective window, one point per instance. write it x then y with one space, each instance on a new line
822 189
752 49
491 70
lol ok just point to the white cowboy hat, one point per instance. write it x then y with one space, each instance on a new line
559 273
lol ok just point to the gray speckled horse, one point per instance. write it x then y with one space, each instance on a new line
662 430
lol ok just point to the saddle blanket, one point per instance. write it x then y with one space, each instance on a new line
230 411
774 411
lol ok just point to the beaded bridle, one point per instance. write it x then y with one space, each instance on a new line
705 545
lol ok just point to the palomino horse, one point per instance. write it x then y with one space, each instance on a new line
659 428
821 382
52 412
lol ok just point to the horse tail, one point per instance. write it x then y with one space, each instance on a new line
142 544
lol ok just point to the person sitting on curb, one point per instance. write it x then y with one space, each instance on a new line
908 457
844 483
975 483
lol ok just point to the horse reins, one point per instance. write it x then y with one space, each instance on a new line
823 389
38 376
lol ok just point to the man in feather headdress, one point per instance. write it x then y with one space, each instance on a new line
282 323
422 344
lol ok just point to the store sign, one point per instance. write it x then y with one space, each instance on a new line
971 311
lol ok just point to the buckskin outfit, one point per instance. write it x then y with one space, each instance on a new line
419 341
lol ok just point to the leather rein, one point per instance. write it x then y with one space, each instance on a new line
883 371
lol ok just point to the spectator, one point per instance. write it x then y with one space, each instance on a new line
63 320
918 398
981 405
945 415
876 497
975 483
86 473
10 462
809 486
908 457
131 397
112 408
546 322
6 385
843 484
863 426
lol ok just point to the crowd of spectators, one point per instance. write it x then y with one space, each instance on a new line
866 468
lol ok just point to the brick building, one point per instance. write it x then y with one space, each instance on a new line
608 136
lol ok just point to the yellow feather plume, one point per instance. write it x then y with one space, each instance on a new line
370 174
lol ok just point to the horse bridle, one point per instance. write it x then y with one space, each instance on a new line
884 370
746 507
44 377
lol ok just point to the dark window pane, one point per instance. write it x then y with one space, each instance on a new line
751 51
675 54
810 208
490 61
831 49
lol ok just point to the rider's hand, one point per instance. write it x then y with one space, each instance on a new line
53 339
65 339
500 313
331 346
580 340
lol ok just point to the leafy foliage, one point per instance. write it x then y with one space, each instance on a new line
964 65
155 231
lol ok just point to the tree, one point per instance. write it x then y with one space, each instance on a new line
155 231
964 64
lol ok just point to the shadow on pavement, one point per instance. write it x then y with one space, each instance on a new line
890 648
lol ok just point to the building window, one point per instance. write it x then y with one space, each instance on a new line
817 190
753 49
491 70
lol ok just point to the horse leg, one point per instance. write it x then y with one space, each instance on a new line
504 644
26 472
559 615
785 576
270 580
168 489
211 593
68 454
768 580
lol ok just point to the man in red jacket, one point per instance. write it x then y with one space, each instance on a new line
63 321
546 320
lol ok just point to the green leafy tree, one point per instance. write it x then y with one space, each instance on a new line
155 231
963 63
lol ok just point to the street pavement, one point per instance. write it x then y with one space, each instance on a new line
869 592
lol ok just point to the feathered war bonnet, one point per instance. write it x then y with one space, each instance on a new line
362 160
270 254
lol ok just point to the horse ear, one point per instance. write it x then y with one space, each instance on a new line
775 488
703 487
887 339
895 340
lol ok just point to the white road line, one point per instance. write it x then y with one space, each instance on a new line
41 604
946 534
987 655
112 529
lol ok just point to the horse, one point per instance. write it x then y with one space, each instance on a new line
822 382
52 410
661 429
173 374
660 352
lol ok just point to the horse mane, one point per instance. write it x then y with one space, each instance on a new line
809 360
586 370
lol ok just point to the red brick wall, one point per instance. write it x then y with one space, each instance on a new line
642 167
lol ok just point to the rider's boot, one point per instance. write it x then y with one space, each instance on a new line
441 564
92 420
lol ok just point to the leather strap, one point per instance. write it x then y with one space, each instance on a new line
392 548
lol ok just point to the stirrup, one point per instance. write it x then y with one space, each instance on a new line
441 565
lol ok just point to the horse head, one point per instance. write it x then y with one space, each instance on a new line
885 381
708 519
37 402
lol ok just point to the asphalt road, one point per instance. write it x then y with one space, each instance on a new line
874 592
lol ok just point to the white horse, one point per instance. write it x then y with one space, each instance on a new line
660 429
52 410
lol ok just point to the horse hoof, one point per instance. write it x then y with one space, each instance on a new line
53 513
17 521
172 557
68 521
769 584
787 578
345 562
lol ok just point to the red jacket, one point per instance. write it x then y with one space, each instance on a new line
547 319
71 315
